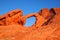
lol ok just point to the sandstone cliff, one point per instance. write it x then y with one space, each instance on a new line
46 27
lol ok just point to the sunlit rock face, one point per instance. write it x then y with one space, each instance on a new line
46 27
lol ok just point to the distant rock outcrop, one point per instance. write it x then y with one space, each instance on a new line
46 27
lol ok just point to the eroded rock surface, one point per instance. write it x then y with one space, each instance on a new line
46 27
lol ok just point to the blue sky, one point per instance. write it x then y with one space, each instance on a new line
28 6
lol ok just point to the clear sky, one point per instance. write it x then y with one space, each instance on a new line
28 6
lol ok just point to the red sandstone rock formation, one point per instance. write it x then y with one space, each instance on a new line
46 27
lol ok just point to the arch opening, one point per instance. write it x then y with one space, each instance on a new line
30 21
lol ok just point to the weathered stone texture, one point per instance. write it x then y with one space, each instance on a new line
46 27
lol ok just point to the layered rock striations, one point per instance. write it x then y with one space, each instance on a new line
46 27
